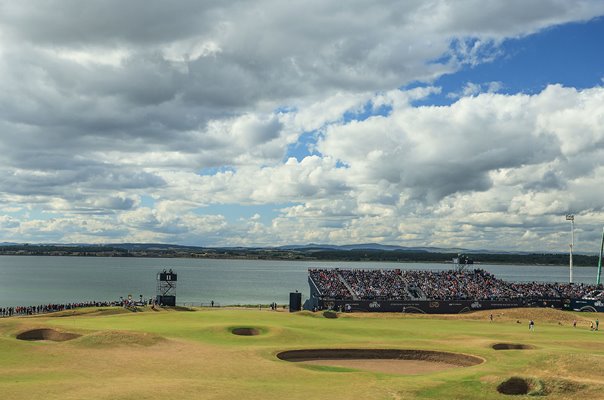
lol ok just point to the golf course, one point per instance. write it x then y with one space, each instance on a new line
252 353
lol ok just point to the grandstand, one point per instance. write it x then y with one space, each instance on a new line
450 291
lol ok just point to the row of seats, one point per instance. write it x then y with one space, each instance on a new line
477 284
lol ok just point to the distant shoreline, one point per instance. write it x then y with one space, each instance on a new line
378 256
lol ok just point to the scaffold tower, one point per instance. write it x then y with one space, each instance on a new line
166 287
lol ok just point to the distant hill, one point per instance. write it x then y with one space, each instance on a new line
362 246
383 247
369 252
302 247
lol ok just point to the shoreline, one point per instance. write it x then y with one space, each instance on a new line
334 260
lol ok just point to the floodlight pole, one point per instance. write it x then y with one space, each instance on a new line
600 259
571 218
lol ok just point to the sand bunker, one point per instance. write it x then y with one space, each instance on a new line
406 362
512 346
532 386
514 386
46 334
245 331
330 314
183 308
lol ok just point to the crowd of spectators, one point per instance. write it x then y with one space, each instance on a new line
459 285
578 290
474 284
595 295
536 289
376 283
329 284
49 308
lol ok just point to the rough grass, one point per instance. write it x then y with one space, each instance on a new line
193 355
88 312
119 338
524 315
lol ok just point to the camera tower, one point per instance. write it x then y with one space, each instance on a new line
166 288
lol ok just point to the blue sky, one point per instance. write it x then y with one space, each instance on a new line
570 54
471 124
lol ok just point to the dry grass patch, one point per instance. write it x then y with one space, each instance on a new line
92 312
579 367
562 386
522 314
542 315
120 338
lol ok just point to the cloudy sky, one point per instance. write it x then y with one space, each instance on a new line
477 124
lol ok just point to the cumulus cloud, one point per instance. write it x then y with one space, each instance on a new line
484 161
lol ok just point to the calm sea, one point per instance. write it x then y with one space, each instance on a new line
29 280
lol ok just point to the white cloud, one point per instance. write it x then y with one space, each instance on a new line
420 175
473 89
109 57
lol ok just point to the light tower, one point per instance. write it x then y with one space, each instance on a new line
600 259
571 218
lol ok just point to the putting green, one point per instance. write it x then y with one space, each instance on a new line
195 355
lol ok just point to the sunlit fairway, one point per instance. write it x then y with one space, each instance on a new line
195 355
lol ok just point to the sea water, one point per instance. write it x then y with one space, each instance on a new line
32 280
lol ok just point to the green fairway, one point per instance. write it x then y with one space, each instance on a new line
194 355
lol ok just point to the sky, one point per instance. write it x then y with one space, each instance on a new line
473 123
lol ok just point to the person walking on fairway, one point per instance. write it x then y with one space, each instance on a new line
531 325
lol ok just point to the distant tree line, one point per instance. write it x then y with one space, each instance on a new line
48 249
424 256
308 254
